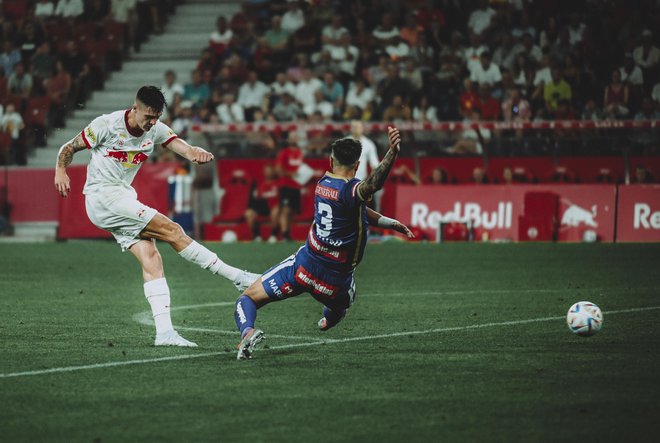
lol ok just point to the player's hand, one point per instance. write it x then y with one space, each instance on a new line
395 138
200 156
62 183
403 229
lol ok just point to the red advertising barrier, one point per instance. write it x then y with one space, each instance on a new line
495 211
638 216
150 184
27 191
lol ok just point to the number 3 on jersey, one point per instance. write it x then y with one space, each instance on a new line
324 228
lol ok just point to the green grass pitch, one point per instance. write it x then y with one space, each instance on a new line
456 342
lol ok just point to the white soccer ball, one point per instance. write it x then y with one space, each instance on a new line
584 319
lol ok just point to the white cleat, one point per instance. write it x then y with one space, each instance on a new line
172 338
245 280
248 343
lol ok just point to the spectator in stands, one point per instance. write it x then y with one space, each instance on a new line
332 33
10 57
398 111
183 118
479 176
3 85
558 89
245 39
281 85
472 140
69 9
424 111
561 48
263 202
550 33
321 107
531 51
391 86
207 65
277 39
489 106
576 29
20 82
294 18
236 71
12 123
647 55
642 175
346 56
506 52
359 96
288 163
631 73
411 32
564 111
196 91
43 62
76 64
306 39
616 96
523 26
171 88
58 88
378 72
220 38
423 54
333 92
30 38
486 71
481 18
592 112
97 10
507 176
655 94
44 9
386 37
123 11
323 62
306 89
438 177
647 111
468 99
252 95
473 52
542 77
229 111
286 109
413 75
522 73
515 108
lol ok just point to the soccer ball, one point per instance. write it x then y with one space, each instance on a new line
584 319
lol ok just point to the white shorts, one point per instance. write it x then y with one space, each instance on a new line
118 211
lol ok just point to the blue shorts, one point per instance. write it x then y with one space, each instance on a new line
302 273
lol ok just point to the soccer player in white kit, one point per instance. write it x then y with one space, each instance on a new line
119 143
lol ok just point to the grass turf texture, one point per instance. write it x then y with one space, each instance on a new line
73 304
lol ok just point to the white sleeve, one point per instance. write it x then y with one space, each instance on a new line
96 132
164 134
372 155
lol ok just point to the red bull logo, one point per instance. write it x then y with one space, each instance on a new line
128 159
575 216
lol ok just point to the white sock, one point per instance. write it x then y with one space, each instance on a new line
158 296
201 256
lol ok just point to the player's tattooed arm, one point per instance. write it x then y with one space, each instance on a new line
64 159
377 178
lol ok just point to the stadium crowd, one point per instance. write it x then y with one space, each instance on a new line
424 60
55 53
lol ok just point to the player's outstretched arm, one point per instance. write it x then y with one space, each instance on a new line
377 178
64 159
194 154
377 219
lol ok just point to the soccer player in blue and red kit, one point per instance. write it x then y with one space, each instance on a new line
335 244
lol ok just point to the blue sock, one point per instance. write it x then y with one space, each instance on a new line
333 317
245 314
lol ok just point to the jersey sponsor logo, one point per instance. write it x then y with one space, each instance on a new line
146 144
273 286
315 284
325 192
141 212
324 250
90 134
128 159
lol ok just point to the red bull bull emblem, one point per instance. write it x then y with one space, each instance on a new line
128 159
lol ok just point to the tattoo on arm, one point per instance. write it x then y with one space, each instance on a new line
65 154
377 178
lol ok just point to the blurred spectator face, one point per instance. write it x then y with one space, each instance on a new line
307 74
170 77
410 21
545 60
329 78
628 63
336 21
423 102
437 176
71 47
196 77
269 172
507 175
514 94
475 116
616 76
478 175
485 60
467 84
10 108
527 41
19 69
229 99
475 40
640 173
387 21
556 75
647 106
346 39
392 72
484 90
276 22
397 101
252 77
357 129
280 78
221 24
507 40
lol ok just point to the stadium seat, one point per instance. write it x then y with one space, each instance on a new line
234 203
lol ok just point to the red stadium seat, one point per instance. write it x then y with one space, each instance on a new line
234 203
36 113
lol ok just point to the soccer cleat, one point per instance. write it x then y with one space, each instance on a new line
323 324
172 338
245 280
248 343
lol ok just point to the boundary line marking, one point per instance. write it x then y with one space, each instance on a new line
307 344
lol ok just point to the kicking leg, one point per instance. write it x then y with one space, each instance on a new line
162 228
157 293
331 318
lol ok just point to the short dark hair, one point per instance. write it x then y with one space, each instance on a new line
346 151
152 97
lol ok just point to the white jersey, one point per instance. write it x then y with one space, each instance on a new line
117 151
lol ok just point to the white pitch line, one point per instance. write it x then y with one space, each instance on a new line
300 345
